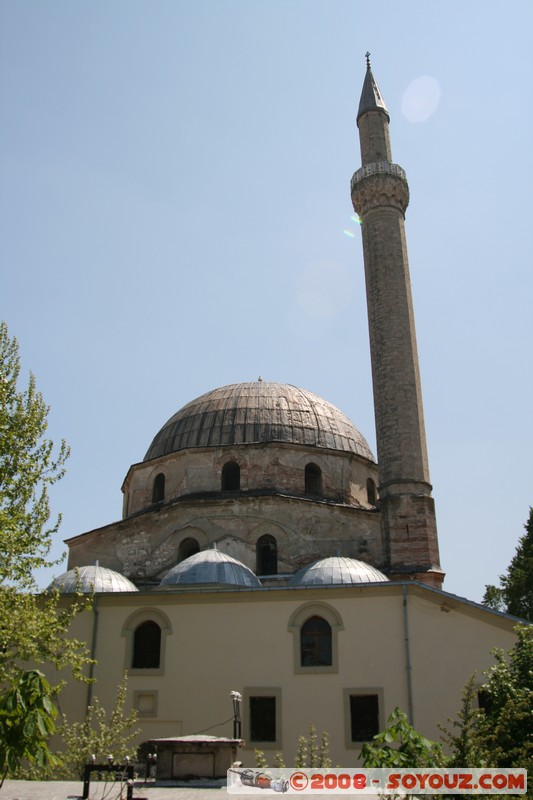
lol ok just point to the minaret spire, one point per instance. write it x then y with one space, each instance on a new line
380 196
371 99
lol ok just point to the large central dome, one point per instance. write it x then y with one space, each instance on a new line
249 413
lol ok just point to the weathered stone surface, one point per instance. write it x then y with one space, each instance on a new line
144 547
380 196
258 412
263 467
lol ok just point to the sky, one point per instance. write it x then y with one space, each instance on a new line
174 204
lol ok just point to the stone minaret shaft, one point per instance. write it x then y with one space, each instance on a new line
380 196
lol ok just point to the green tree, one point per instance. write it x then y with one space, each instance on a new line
32 629
514 595
310 753
461 734
99 734
505 729
500 733
260 758
400 745
27 715
28 466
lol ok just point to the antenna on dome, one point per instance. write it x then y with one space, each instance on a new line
260 379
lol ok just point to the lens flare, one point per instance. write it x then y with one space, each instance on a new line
357 220
421 99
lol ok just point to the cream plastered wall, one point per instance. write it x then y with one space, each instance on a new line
219 641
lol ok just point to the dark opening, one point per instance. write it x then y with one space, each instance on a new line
364 717
313 479
231 477
371 491
158 491
485 701
187 548
146 646
267 555
263 719
315 643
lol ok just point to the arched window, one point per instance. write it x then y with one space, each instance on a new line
145 632
158 491
313 479
315 643
315 628
231 477
267 555
187 548
146 646
371 491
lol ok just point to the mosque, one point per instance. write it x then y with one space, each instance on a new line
263 549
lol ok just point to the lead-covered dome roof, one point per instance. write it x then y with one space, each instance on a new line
337 569
260 411
92 579
211 566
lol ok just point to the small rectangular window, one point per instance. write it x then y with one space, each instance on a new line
262 719
145 703
364 717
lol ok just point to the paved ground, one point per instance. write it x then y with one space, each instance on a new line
63 790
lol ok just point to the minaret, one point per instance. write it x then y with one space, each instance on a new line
380 196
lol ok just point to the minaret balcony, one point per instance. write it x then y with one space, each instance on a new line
377 168
377 185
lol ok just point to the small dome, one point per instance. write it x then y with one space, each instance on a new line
335 570
89 579
210 566
259 411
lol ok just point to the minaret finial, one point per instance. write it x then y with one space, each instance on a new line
371 99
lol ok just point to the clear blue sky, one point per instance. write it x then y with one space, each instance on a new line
174 190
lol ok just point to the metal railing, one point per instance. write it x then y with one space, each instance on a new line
377 168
